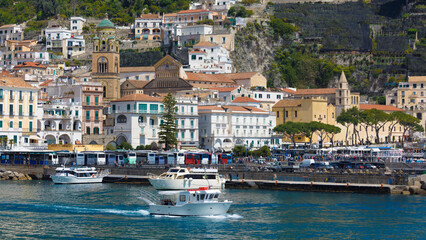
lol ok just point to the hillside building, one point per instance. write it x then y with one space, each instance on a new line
18 102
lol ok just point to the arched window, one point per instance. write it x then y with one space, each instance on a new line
103 45
102 65
121 119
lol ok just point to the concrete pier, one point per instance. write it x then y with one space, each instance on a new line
312 186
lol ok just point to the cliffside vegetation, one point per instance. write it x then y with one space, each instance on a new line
309 44
120 11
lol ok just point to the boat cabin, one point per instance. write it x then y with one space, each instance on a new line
190 196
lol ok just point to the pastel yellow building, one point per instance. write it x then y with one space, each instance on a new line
18 102
410 96
75 147
308 109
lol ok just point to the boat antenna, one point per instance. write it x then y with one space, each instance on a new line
205 175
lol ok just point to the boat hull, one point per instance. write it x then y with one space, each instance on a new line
191 209
75 180
179 184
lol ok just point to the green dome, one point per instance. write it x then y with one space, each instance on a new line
95 38
106 23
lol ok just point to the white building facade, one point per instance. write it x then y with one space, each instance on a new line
60 121
224 127
210 58
11 32
77 24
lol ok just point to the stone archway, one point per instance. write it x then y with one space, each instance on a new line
50 139
121 139
65 139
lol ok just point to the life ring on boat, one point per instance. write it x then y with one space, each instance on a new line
189 169
93 175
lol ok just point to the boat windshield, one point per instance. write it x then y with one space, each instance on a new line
173 170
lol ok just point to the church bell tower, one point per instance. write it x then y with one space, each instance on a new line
106 60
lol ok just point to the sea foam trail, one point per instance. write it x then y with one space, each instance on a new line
103 210
72 209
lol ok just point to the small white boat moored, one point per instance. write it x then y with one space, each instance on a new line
74 175
192 202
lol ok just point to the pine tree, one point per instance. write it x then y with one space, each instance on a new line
168 128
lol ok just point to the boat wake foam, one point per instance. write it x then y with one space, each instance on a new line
140 212
226 216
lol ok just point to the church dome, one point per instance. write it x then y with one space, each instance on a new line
106 23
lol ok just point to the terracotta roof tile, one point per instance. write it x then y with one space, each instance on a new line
136 69
46 83
7 81
30 64
193 11
170 15
200 108
198 51
242 75
149 16
286 90
387 108
138 97
417 79
255 109
244 100
202 77
316 91
200 85
206 44
236 108
287 103
224 89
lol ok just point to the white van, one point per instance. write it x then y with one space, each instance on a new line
307 162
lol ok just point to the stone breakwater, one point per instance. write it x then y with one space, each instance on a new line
11 175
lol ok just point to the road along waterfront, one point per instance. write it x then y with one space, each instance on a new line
41 209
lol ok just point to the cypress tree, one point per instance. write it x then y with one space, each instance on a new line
168 128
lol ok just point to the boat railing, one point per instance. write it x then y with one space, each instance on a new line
149 197
151 175
105 172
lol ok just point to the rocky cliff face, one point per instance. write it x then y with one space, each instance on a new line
255 50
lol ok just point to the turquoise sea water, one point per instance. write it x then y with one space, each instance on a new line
40 209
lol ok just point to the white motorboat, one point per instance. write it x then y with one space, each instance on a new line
187 178
192 202
66 175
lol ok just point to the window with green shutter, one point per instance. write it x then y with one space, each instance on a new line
96 115
87 100
31 126
128 107
1 124
87 115
142 108
11 109
88 130
20 110
96 100
1 109
192 135
76 113
153 108
20 124
30 112
183 134
11 124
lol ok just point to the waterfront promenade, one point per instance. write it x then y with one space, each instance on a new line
381 181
